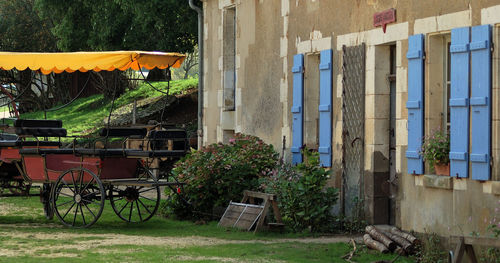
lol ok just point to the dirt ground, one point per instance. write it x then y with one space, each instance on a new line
95 241
15 236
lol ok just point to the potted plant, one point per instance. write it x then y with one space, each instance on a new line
436 150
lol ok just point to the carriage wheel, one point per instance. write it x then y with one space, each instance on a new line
19 187
78 198
135 203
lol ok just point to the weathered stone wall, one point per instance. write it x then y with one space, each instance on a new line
270 32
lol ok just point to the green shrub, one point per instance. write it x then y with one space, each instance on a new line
219 173
431 250
304 200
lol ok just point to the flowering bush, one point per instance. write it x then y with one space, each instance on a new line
436 148
304 200
219 173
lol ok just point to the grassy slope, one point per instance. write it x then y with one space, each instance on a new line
87 114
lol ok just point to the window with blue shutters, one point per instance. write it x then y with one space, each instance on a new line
460 71
459 102
415 103
312 106
297 108
325 108
480 102
471 103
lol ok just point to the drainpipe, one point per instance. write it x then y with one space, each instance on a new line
200 71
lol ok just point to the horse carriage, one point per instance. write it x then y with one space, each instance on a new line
76 181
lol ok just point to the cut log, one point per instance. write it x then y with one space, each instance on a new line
413 240
374 244
377 235
402 242
400 251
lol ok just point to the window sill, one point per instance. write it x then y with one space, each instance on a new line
491 187
438 181
452 183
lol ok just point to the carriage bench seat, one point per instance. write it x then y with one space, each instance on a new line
8 143
156 154
123 132
8 137
159 139
76 151
37 123
41 131
28 143
117 152
43 151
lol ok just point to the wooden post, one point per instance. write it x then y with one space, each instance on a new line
459 251
262 218
134 110
470 253
268 200
276 211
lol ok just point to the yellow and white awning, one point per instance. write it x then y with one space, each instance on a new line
85 61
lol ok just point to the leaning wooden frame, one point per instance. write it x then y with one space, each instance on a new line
77 181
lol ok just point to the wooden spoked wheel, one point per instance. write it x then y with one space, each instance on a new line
78 198
19 187
136 201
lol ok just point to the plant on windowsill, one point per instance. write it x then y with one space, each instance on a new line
436 150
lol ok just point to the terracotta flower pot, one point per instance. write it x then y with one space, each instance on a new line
442 169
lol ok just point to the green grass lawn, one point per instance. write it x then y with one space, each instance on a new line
26 236
85 115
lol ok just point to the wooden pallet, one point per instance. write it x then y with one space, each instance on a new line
247 214
242 216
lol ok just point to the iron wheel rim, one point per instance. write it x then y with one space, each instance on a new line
76 195
135 204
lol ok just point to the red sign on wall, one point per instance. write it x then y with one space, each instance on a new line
383 18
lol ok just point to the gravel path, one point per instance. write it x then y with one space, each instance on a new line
96 241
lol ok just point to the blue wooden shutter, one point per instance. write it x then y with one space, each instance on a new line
325 108
459 102
415 103
297 107
480 102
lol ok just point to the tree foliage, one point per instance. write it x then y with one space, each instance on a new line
21 29
156 25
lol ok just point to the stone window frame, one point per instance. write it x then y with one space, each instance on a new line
436 94
311 102
495 107
229 93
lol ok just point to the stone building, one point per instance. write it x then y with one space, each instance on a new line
324 74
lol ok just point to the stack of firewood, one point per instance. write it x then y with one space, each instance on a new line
392 240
